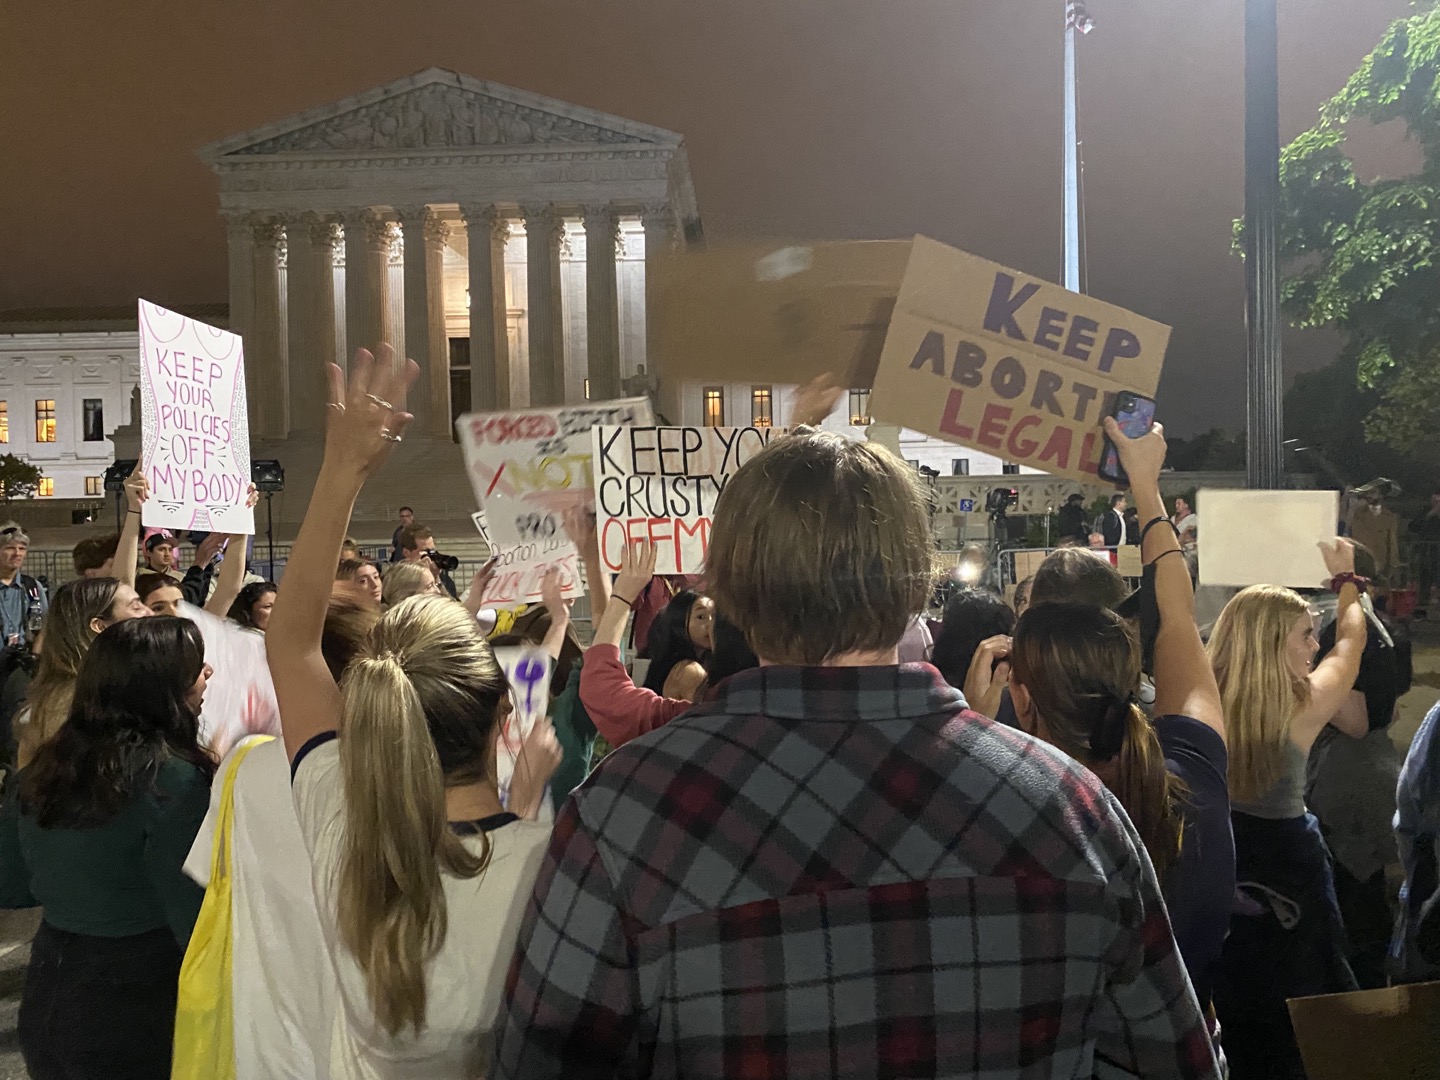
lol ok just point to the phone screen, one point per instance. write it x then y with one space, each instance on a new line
1136 415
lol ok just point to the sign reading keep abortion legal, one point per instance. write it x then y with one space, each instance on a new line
195 436
994 359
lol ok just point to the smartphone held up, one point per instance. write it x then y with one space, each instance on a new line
1135 413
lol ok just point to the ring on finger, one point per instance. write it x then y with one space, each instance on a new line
391 438
381 402
336 405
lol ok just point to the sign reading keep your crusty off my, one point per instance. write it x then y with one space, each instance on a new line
994 359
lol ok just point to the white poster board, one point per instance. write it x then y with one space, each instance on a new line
520 568
240 698
528 466
660 484
195 434
1265 537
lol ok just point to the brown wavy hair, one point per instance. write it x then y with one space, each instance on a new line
1081 666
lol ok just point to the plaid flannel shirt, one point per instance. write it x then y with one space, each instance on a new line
842 872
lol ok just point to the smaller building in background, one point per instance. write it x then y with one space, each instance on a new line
67 381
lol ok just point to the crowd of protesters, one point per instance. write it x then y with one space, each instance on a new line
1059 835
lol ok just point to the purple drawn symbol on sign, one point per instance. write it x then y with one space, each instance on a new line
530 672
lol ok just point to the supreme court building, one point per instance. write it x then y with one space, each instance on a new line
504 240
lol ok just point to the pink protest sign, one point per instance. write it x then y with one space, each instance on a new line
195 441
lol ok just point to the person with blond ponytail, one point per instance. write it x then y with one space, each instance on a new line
1286 936
420 872
1075 678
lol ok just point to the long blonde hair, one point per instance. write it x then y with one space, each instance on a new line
1260 694
68 635
419 708
403 580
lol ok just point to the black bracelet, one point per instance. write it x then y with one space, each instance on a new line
132 511
1157 558
1156 521
628 603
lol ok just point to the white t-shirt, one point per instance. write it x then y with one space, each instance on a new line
284 984
466 978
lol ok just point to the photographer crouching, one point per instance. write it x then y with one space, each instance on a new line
416 543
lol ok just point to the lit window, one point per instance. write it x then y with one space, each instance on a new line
714 406
4 421
45 420
47 487
94 417
1009 468
94 485
960 466
860 408
760 415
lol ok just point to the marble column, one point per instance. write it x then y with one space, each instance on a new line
240 238
310 281
544 229
602 302
659 224
367 252
486 233
425 339
266 378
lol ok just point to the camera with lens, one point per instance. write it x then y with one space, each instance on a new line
1001 499
446 563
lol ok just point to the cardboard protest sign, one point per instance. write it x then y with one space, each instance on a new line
240 698
994 359
528 670
519 568
661 483
195 436
1386 1034
777 312
528 466
1264 537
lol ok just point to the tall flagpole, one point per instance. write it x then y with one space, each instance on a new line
1077 22
1264 416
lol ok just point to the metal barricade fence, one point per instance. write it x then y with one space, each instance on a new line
1013 565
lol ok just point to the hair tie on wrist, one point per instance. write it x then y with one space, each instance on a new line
628 603
1339 581
1156 521
1168 551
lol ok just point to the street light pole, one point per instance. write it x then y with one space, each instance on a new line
1264 418
1077 22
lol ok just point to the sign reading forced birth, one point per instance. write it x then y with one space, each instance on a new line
1003 362
195 441
661 483
528 466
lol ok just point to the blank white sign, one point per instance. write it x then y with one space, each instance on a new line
1265 537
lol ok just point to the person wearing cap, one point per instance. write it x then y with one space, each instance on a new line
160 555
23 601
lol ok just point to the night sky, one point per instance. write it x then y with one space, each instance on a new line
803 118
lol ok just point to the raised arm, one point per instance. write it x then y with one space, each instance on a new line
366 418
815 401
232 570
1184 680
127 554
1334 677
637 567
559 609
580 528
475 596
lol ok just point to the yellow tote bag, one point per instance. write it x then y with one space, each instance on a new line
204 1016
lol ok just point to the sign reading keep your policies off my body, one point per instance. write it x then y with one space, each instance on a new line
994 359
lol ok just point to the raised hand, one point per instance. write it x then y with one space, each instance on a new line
1142 458
137 488
540 755
1339 556
252 496
367 416
989 674
815 400
551 588
637 567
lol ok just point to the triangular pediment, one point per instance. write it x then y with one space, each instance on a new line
438 110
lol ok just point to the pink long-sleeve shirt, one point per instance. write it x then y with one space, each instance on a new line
619 709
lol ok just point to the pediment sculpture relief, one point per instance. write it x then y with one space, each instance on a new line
437 116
